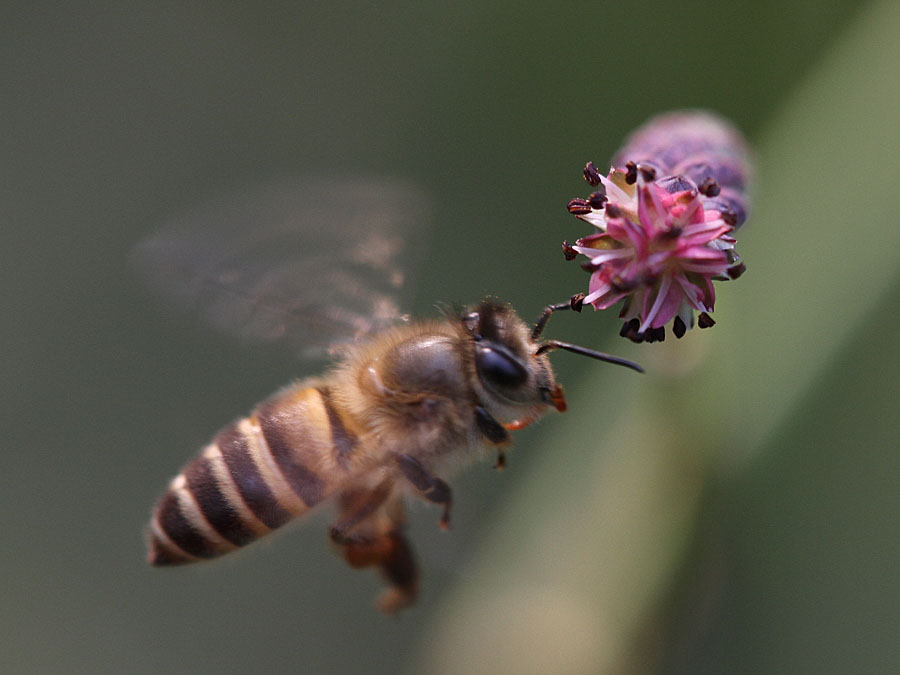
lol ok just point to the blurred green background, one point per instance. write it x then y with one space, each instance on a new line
735 510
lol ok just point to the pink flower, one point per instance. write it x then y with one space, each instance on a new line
659 244
657 248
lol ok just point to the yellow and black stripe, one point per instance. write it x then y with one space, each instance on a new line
258 473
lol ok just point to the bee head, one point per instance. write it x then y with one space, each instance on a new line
506 360
510 358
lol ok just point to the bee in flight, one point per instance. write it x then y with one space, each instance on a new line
309 263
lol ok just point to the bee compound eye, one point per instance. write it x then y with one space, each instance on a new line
499 368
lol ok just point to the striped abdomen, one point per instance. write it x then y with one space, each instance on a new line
258 473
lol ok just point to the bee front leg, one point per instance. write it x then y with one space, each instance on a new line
494 432
432 488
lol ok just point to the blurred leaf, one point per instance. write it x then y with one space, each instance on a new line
583 555
822 244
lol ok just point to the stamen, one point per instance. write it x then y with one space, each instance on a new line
648 173
613 211
705 320
672 233
577 301
597 199
709 187
736 271
591 175
631 170
629 329
579 207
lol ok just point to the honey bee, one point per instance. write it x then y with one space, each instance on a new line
403 403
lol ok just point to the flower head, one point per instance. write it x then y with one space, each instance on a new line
659 242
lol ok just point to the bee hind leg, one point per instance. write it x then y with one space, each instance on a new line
392 554
370 535
356 506
431 488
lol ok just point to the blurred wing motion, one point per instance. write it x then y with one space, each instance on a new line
310 262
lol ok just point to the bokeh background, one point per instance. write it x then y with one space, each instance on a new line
735 510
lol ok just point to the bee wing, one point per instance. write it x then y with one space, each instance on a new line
311 262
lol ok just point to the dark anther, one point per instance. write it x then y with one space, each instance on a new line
620 285
705 320
569 252
652 335
588 266
648 278
709 187
678 183
629 329
678 327
597 199
576 302
672 233
730 217
736 271
591 175
579 207
631 173
648 173
613 211
501 461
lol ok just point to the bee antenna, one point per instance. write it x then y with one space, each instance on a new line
574 303
550 345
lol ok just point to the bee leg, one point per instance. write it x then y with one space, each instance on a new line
357 505
432 488
370 535
494 432
392 554
399 568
